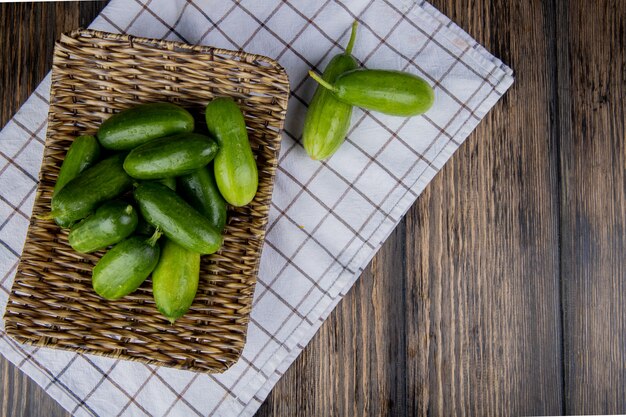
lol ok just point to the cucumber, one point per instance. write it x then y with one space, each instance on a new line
235 167
165 210
103 181
200 190
125 267
144 228
328 119
135 126
112 222
169 182
175 280
82 154
391 92
170 156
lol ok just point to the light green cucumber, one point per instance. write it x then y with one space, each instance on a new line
175 280
234 166
125 267
328 119
395 93
83 153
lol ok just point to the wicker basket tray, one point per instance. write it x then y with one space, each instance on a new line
52 303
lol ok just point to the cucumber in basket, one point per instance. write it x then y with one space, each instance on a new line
170 156
125 267
140 124
200 190
175 280
103 181
165 210
83 153
169 182
112 222
234 166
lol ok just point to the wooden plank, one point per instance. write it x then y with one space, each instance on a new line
27 35
490 275
479 291
592 92
356 364
22 397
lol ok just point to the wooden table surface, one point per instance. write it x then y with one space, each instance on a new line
503 291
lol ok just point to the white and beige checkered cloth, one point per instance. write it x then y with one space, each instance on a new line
327 219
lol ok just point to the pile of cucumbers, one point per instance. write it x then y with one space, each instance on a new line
344 85
159 193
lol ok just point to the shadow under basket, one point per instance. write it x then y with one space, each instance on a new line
52 303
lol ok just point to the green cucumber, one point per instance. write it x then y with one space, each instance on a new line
165 210
328 119
145 228
170 156
112 222
391 92
103 181
175 280
169 182
137 125
83 153
235 167
125 267
200 190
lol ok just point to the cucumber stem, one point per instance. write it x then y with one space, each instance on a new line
128 209
321 81
155 236
352 38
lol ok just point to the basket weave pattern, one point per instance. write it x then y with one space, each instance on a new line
52 302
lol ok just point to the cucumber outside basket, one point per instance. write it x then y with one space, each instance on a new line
52 302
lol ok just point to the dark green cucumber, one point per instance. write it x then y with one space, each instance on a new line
83 153
112 222
145 228
165 210
328 119
175 280
169 182
125 267
234 166
170 156
200 190
103 181
391 92
137 125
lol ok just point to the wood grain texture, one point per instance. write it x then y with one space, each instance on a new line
23 397
592 93
492 257
27 35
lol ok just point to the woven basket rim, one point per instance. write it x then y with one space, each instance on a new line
163 43
282 94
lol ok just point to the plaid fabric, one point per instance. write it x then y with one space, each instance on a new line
327 219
